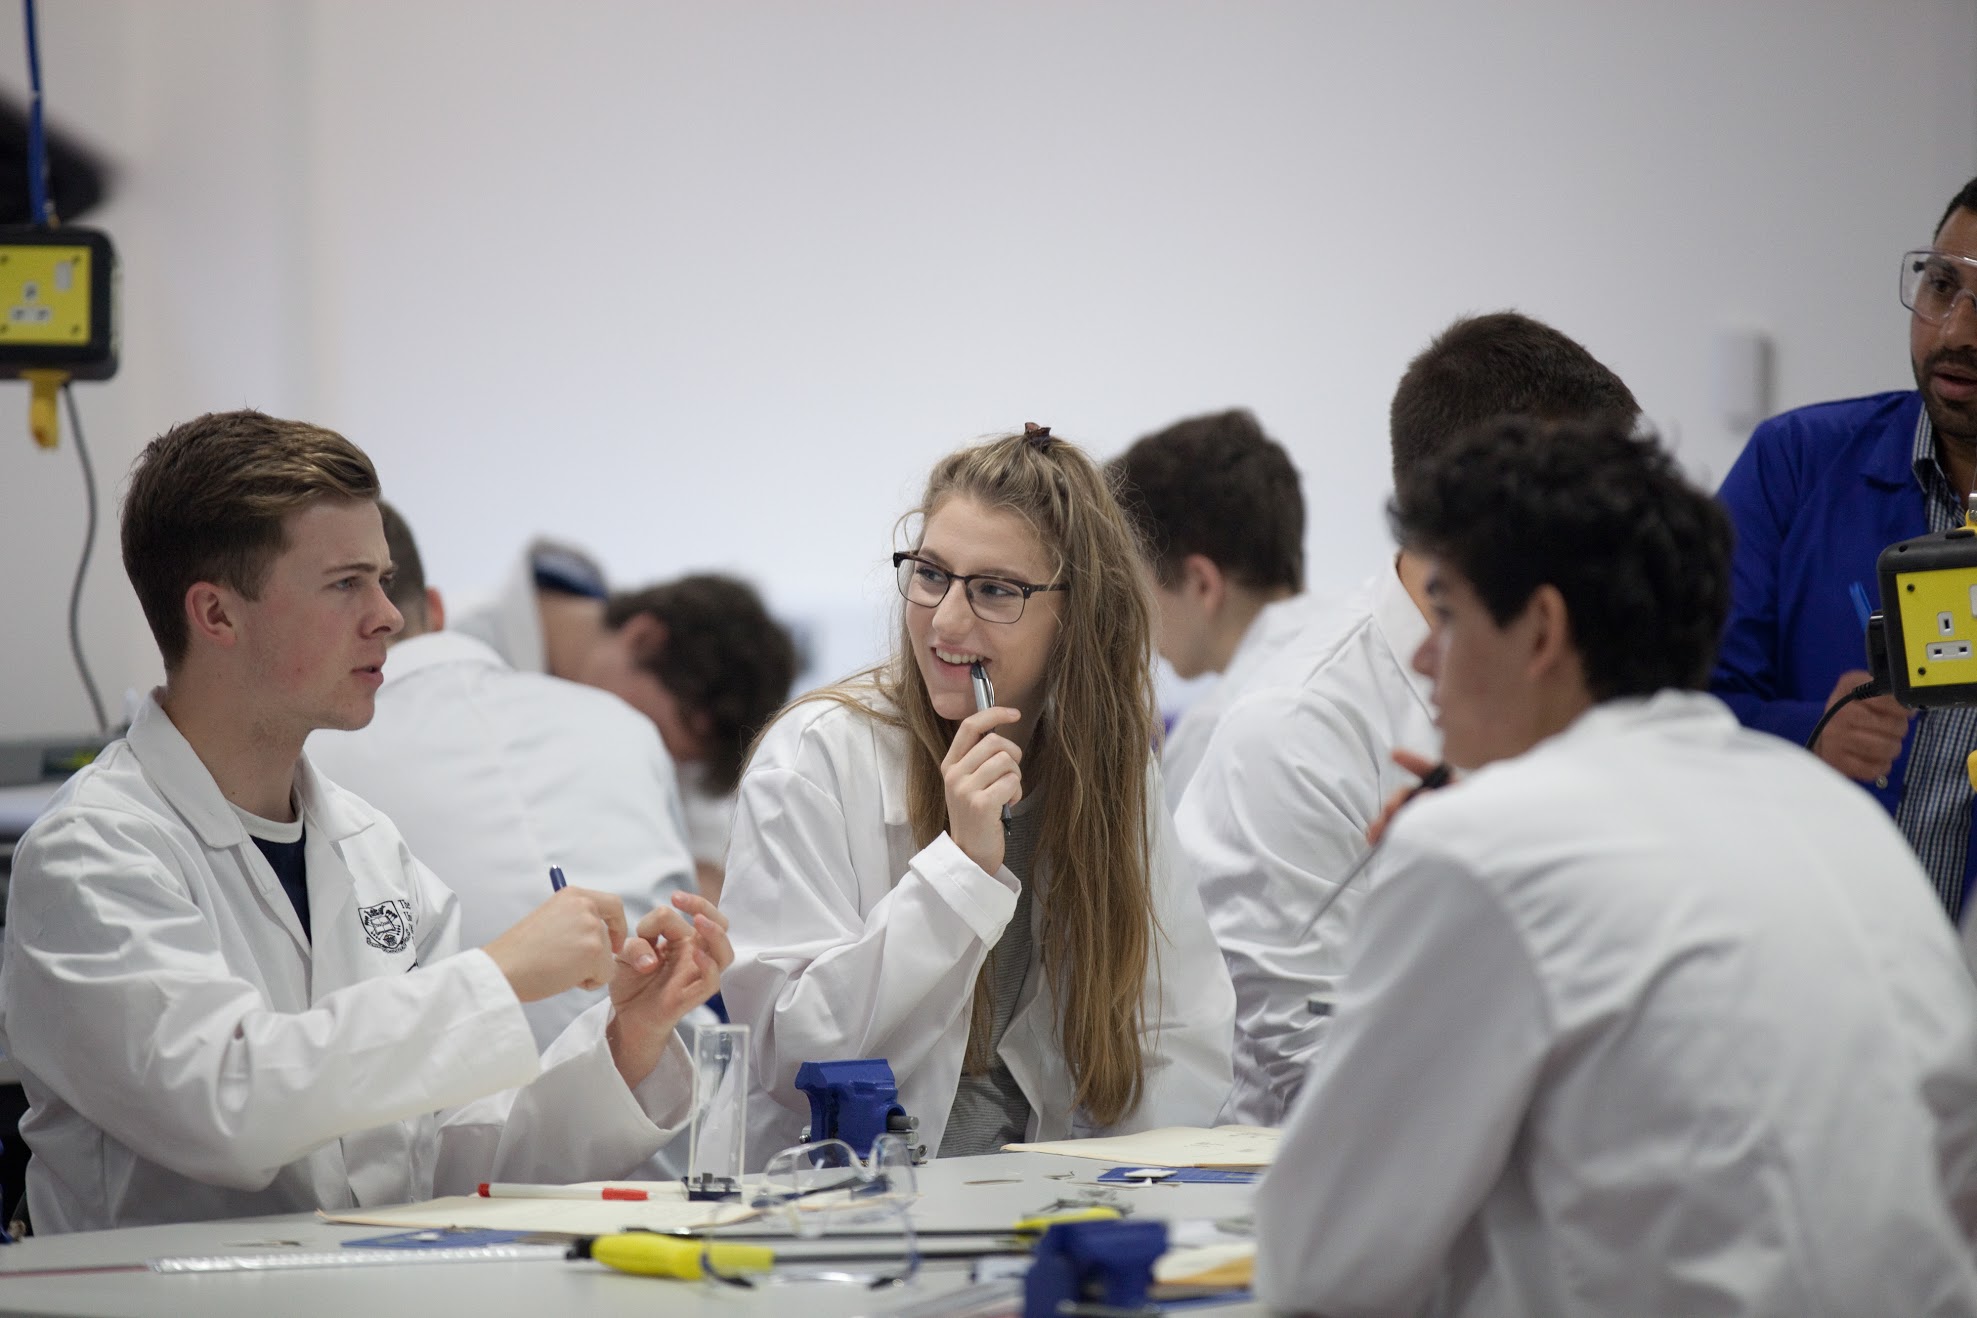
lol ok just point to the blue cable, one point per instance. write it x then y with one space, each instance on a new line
37 150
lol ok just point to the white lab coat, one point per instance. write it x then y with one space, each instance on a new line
710 816
188 1054
852 941
491 776
1269 631
510 624
1661 1017
1300 766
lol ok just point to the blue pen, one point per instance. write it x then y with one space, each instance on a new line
1861 606
556 880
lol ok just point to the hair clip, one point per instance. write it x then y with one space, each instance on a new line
1036 436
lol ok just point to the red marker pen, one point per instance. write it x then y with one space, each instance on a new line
502 1190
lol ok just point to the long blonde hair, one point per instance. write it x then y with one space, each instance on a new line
1088 754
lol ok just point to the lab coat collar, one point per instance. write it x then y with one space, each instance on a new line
1253 638
1402 627
517 619
892 796
517 622
892 786
183 779
1889 461
876 718
432 649
331 812
1694 715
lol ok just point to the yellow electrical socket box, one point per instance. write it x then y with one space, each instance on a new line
57 303
44 295
1939 625
1929 607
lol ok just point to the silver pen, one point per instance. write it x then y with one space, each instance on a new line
985 697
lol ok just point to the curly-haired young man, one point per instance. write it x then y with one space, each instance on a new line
1648 1014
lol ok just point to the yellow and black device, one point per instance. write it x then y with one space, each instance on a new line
58 314
1922 645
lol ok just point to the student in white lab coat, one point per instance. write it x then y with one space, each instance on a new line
700 656
229 987
1046 978
1304 755
1649 1014
1220 520
492 776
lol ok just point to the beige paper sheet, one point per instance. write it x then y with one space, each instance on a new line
1230 1265
1174 1146
667 1210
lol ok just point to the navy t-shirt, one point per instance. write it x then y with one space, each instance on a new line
283 845
286 858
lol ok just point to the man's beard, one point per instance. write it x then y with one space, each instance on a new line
1958 421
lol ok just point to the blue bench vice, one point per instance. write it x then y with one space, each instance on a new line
857 1101
1107 1266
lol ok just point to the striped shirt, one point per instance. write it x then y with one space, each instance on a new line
1934 813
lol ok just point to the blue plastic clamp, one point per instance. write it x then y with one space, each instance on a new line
1103 1263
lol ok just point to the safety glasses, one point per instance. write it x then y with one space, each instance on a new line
826 1187
1933 282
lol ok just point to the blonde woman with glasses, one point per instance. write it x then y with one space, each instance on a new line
1036 972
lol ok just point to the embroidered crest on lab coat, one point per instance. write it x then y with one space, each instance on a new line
388 925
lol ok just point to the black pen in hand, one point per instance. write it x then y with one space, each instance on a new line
1438 776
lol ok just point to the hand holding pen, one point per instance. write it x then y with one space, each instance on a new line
570 941
982 777
659 971
698 918
1432 776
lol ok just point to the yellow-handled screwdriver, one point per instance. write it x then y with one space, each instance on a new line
651 1254
1041 1222
648 1254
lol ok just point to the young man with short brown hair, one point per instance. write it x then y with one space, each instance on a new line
228 985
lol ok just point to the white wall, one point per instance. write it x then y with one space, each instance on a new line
711 285
196 106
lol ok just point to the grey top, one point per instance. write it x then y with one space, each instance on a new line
990 1110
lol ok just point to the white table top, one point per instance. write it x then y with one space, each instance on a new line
987 1193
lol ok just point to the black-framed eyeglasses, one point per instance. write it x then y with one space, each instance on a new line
1931 283
994 599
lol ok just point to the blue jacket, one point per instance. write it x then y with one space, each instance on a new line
1816 496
